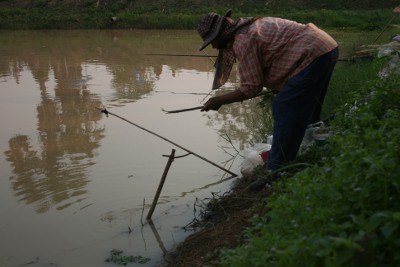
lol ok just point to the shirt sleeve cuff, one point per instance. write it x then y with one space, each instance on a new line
250 91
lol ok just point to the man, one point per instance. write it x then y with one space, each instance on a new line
293 59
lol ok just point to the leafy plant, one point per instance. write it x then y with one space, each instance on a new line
343 210
117 258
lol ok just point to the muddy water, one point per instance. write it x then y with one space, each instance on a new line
75 184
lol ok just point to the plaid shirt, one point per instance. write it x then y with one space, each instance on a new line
272 50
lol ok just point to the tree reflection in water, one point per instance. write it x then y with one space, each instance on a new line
68 136
52 169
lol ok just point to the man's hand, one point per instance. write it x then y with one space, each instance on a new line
216 102
213 103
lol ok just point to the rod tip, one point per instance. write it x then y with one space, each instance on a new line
104 110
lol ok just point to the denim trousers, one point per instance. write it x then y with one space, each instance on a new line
297 105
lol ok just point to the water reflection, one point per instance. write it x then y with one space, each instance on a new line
69 68
67 135
242 122
91 174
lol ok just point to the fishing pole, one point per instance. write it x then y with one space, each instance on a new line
179 55
208 56
200 107
182 110
105 111
397 12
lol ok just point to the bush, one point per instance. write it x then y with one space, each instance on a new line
344 210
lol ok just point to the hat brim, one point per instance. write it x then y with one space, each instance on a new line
214 35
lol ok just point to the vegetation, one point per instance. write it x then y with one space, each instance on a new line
336 205
341 210
117 257
174 14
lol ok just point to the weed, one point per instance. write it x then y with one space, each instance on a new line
41 14
117 258
342 210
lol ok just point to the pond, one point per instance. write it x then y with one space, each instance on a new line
76 184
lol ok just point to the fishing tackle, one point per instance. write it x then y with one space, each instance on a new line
105 111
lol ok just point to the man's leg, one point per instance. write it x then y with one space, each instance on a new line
296 105
316 116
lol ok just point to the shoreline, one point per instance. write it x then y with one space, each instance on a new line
222 225
85 18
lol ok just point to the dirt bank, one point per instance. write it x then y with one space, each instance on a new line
222 226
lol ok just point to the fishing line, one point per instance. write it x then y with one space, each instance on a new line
106 112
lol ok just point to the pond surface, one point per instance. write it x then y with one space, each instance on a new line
76 184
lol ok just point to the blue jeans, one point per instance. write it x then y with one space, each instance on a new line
297 105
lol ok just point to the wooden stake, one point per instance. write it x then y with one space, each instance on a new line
160 186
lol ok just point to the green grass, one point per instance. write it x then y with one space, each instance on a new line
152 15
343 210
348 75
342 84
55 18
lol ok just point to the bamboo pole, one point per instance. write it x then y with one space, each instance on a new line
179 55
161 184
386 26
182 110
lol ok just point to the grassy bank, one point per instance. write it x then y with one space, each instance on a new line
342 210
337 204
125 14
36 18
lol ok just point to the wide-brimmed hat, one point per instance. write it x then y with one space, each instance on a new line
210 26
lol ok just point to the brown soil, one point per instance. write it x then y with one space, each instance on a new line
222 226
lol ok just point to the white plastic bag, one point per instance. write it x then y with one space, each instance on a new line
254 158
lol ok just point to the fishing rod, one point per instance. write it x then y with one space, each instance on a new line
200 107
182 110
105 111
397 12
209 56
179 55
